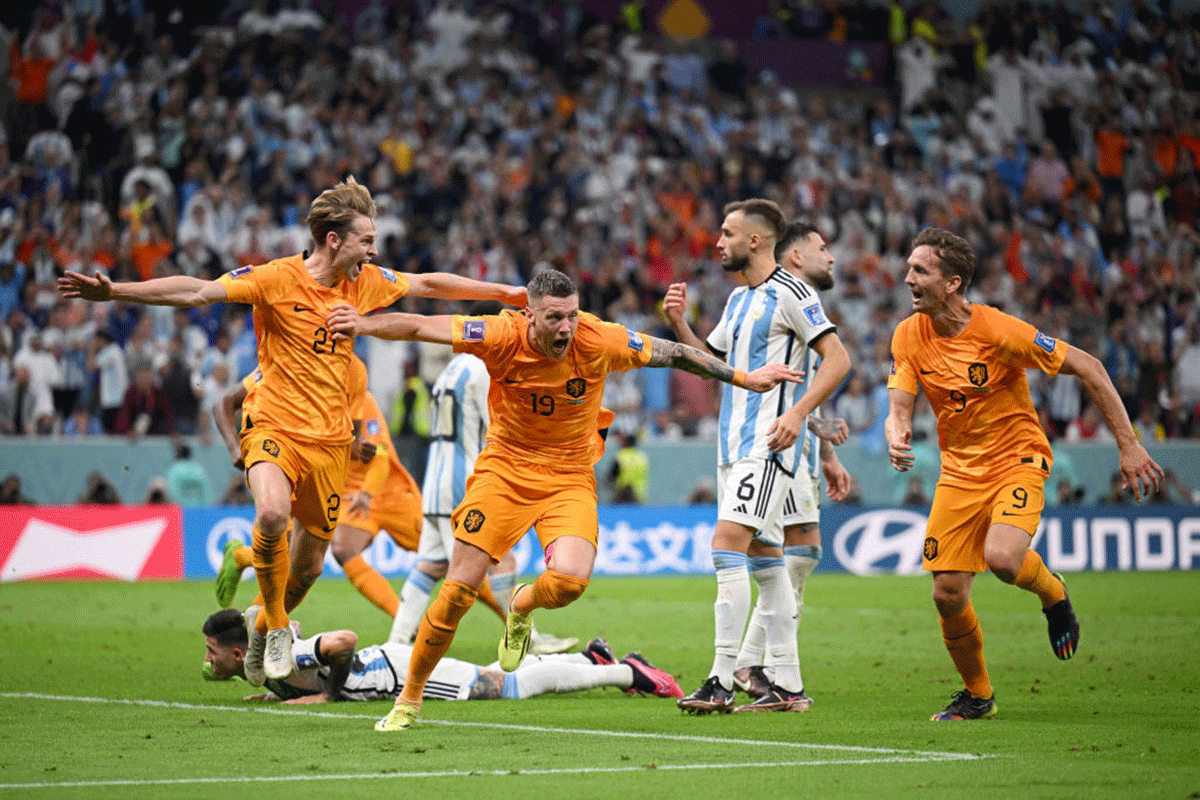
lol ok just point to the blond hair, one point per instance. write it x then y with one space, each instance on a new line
336 209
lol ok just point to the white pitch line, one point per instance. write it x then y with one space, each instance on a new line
468 773
920 754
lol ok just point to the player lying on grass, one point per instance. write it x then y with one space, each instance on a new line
328 668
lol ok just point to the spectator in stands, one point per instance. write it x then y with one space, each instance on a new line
99 490
82 422
26 406
10 492
187 482
145 409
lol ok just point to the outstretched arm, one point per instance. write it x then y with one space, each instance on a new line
345 322
446 286
706 365
176 290
897 428
1138 469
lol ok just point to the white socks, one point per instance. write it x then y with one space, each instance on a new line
730 610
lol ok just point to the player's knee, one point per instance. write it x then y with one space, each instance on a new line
272 522
1004 564
342 550
949 599
560 589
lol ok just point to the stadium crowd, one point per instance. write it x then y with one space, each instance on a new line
496 140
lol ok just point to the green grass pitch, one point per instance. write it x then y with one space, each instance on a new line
101 696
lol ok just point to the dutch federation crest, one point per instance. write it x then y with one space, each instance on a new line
931 548
977 373
576 387
271 448
473 521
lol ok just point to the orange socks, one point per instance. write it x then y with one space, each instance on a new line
1034 577
372 585
271 570
435 635
964 641
489 599
243 557
550 590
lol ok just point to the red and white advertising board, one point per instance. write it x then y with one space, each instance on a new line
125 543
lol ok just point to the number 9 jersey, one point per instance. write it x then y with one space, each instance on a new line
976 384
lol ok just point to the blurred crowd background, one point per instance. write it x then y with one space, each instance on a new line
143 139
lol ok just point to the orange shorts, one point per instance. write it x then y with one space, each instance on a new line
504 500
396 513
317 473
960 518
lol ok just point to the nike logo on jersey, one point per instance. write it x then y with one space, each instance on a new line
298 308
514 380
927 371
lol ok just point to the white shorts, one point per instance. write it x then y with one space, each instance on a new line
437 539
751 491
801 506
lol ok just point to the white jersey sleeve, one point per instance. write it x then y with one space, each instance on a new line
457 433
775 322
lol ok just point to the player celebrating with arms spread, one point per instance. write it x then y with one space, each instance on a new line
547 367
300 433
970 360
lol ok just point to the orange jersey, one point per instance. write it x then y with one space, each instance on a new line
249 383
384 476
976 384
540 409
303 391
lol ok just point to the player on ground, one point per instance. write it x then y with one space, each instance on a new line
970 360
547 367
299 440
327 668
457 434
763 440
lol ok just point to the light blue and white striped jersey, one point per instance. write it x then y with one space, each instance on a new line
458 430
775 322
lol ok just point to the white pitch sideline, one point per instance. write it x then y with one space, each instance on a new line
881 755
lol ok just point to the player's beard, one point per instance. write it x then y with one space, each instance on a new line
736 263
822 282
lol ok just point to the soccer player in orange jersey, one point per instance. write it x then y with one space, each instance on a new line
970 360
547 367
299 439
379 494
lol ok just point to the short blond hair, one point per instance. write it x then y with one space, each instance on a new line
336 209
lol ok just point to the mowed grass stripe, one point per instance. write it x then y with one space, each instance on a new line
906 754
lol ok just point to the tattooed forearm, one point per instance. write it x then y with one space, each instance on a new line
690 359
823 427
